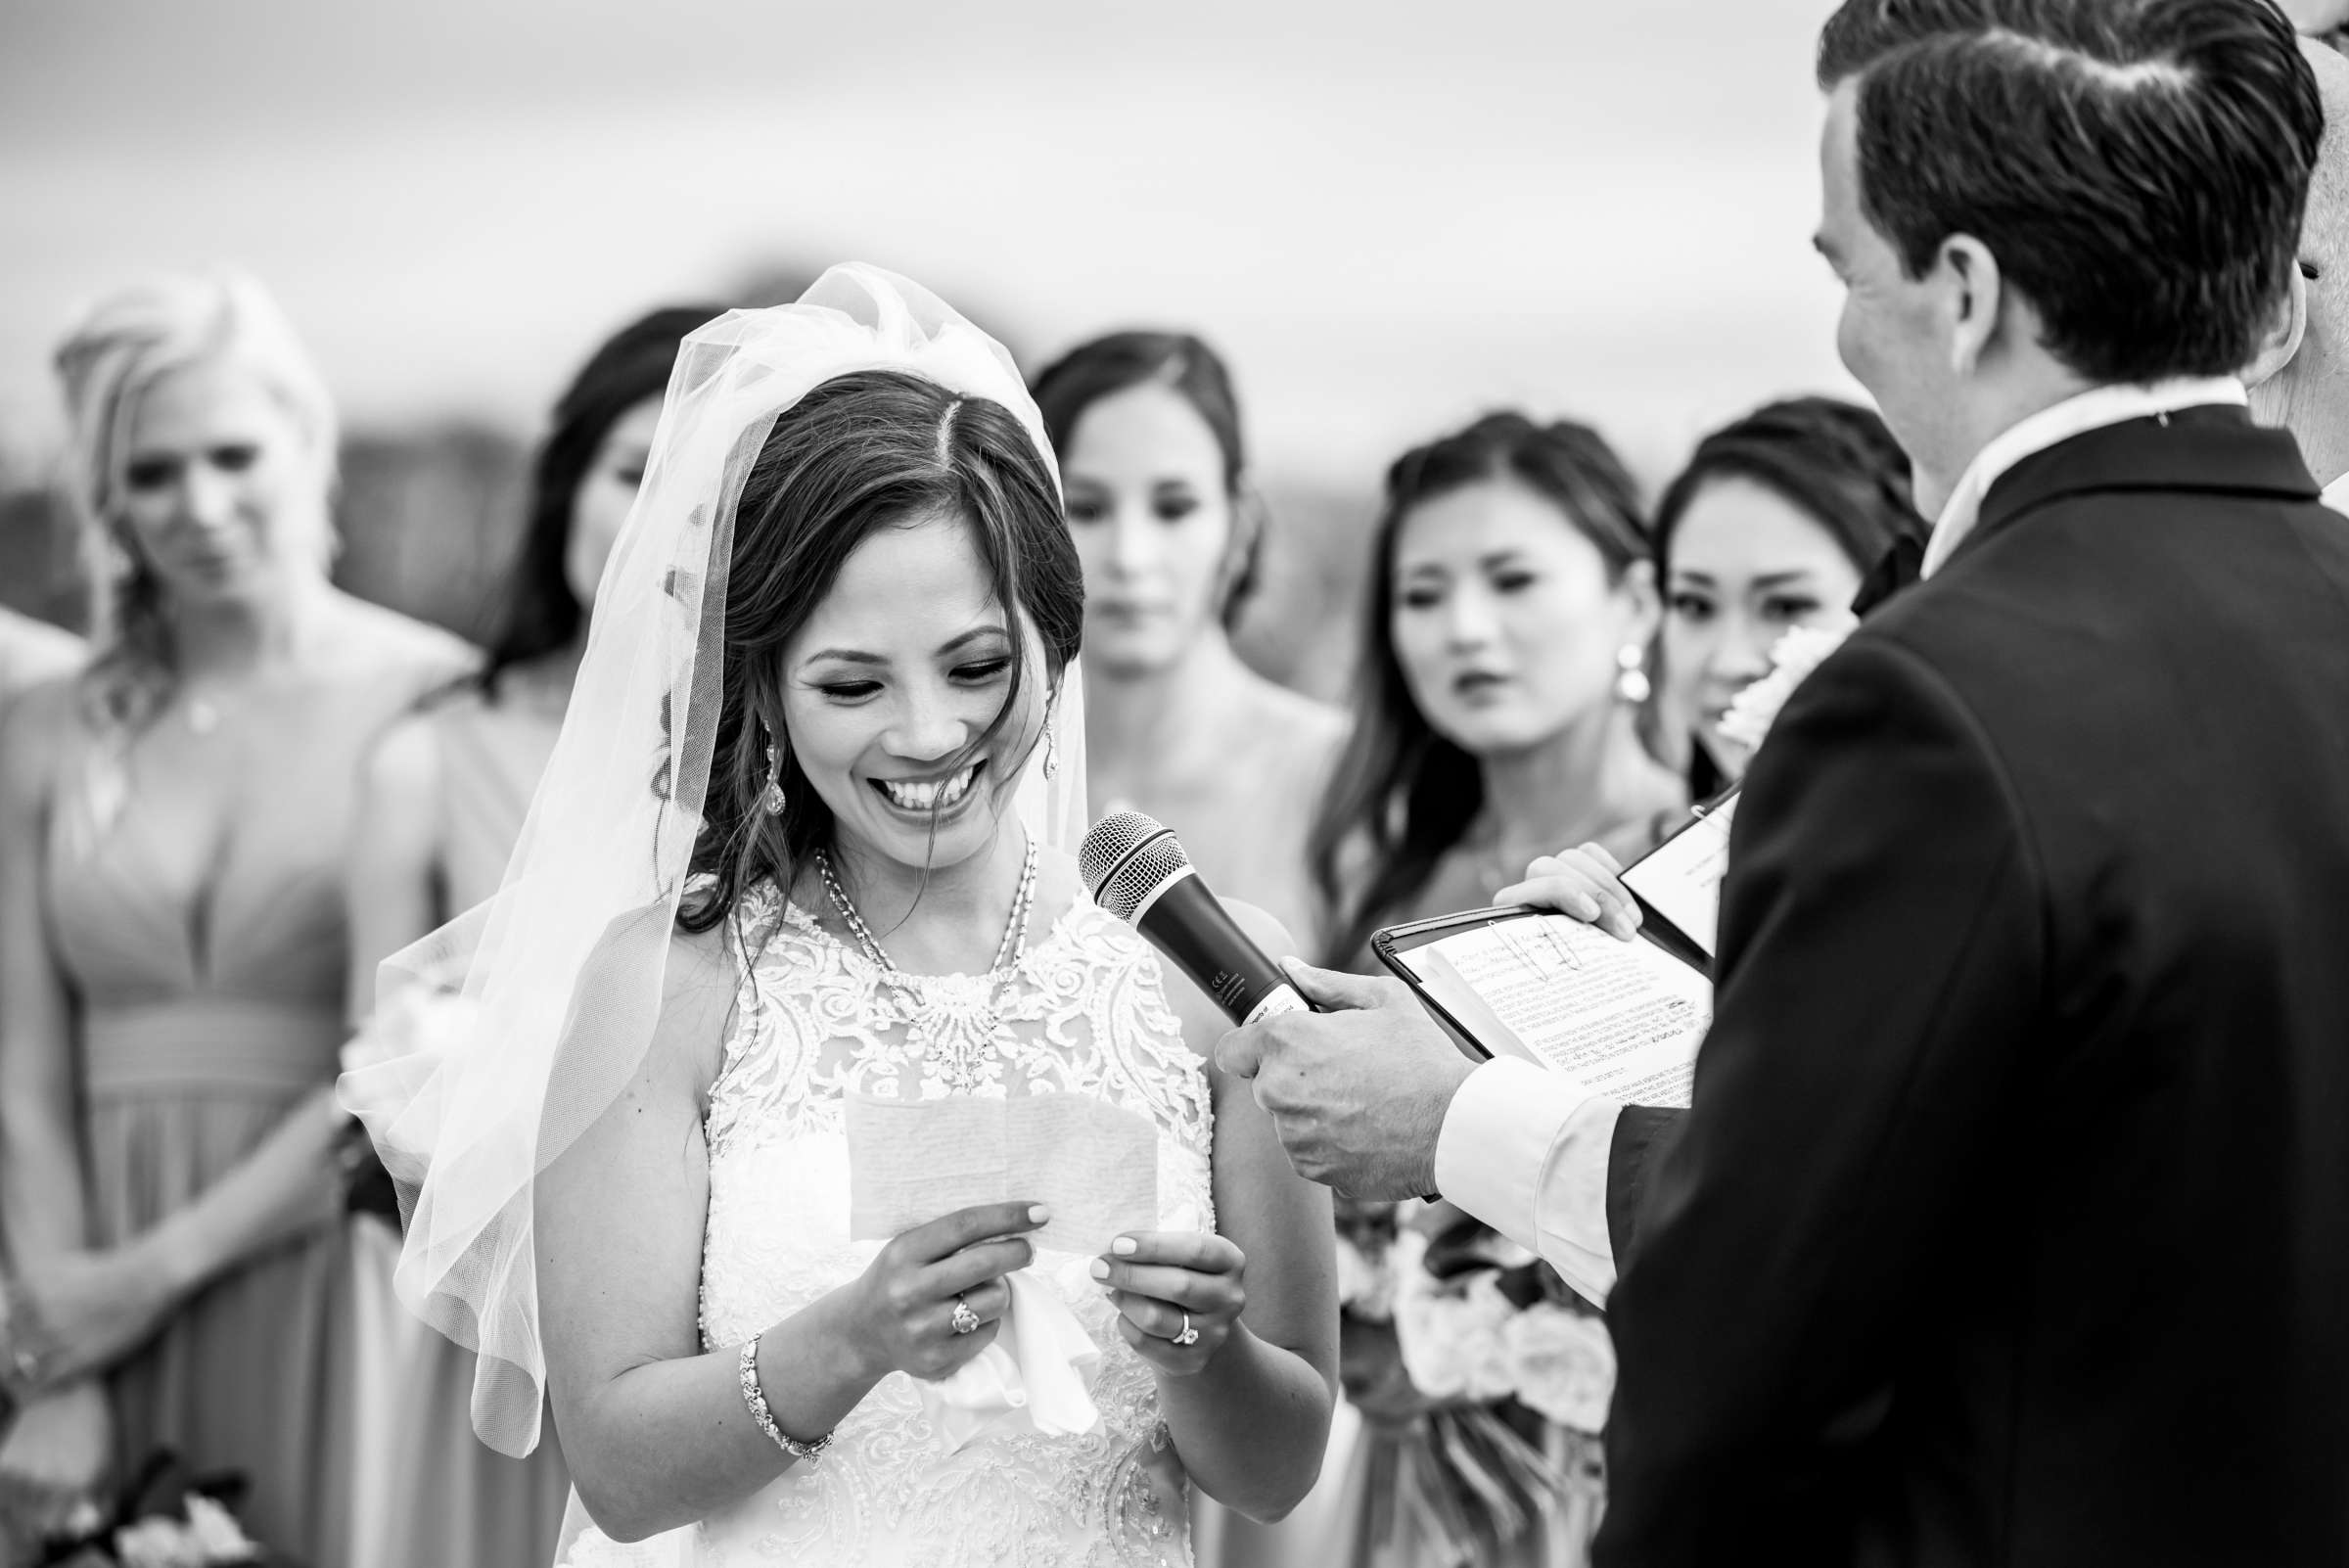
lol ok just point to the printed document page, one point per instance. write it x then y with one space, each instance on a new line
1624 1018
1681 879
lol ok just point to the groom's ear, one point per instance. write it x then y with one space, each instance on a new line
2287 327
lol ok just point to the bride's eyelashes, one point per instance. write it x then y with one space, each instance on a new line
981 672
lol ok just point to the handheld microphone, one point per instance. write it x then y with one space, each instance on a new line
1134 869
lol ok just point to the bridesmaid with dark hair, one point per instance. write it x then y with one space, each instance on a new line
1773 525
1171 534
1502 673
442 802
1170 531
1496 706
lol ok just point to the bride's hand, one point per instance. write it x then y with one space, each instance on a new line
1170 1284
906 1295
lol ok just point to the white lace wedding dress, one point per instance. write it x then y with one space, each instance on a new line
1085 1015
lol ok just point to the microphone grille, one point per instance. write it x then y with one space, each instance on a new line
1125 858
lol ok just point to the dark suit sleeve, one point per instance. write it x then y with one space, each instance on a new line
1639 1132
1879 971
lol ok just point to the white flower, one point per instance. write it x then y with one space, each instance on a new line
1563 1364
158 1542
420 1021
217 1534
1366 1289
1799 651
1452 1341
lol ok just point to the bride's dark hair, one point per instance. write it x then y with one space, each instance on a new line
862 452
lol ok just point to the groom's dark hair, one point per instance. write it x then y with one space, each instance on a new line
2138 167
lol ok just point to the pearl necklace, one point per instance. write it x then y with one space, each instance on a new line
962 1069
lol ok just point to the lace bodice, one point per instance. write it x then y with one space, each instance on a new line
1083 1013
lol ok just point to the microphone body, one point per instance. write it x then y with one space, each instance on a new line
1134 869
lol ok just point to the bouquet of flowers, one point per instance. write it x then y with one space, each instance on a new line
421 1020
164 1519
1483 1381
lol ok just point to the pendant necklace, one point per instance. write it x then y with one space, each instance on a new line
968 1046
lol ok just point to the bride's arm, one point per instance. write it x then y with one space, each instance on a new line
656 1432
1252 1424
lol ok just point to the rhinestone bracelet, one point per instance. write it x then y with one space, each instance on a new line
806 1453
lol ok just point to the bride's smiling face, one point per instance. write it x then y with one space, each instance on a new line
893 681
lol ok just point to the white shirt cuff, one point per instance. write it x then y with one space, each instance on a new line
1495 1141
1525 1149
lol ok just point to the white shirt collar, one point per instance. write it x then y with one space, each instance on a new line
2093 409
2336 494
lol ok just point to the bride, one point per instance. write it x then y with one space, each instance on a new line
804 841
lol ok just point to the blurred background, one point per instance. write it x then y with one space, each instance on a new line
1389 217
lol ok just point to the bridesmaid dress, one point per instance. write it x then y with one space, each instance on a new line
206 1013
456 1501
1368 1530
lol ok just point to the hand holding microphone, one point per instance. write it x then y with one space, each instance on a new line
1356 1093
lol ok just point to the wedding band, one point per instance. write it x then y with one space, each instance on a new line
966 1322
1189 1335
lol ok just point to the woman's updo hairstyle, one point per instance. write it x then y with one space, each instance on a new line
119 349
1835 462
1564 462
1402 795
1183 364
865 451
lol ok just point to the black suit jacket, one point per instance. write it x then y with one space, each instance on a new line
2010 1221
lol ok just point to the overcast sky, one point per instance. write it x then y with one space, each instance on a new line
1390 216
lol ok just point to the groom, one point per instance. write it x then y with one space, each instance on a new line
2010 1221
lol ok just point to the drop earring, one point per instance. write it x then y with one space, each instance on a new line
771 799
1051 740
1631 674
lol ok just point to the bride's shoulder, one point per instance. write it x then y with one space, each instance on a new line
697 1005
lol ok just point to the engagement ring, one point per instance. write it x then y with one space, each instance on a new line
966 1322
1189 1335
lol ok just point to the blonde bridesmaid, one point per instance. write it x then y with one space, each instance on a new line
172 947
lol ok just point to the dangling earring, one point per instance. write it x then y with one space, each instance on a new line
1631 674
771 799
1051 740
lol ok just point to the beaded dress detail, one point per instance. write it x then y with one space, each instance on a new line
1083 1011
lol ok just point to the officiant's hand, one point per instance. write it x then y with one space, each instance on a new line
1166 1284
1584 883
1358 1091
908 1294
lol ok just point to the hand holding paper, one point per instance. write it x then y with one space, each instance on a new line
1093 1165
